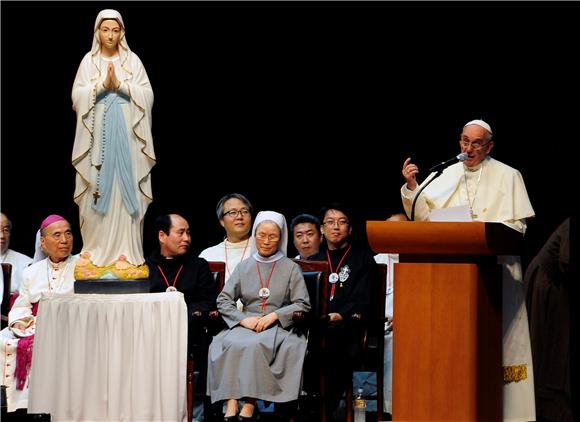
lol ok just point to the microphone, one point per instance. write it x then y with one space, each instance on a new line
439 169
460 157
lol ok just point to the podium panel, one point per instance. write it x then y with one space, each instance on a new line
447 345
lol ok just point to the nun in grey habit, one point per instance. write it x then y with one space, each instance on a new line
258 356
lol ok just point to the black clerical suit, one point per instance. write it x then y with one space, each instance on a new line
352 296
195 281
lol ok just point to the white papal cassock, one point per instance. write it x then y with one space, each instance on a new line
495 192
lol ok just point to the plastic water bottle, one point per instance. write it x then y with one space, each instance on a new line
360 406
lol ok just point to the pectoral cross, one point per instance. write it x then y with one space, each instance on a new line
96 195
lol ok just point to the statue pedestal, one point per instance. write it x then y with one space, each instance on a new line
120 277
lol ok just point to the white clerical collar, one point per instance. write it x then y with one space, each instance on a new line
474 168
58 264
477 166
272 258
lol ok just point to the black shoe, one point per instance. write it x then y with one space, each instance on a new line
248 418
231 418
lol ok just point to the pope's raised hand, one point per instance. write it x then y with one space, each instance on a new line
410 171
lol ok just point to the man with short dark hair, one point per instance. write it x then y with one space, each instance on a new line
352 273
234 212
173 268
306 234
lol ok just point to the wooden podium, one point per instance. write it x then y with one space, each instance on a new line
447 346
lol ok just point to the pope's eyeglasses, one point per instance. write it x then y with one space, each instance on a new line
475 145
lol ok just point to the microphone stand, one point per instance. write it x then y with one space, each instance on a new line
439 168
421 190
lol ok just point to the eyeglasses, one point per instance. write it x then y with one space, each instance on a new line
475 145
59 235
264 236
341 222
235 213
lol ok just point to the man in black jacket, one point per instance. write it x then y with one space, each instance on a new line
173 268
352 273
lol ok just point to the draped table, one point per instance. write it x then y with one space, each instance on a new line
112 357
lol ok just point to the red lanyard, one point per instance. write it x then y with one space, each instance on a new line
165 278
265 288
337 269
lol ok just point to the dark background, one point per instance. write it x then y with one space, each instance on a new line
297 104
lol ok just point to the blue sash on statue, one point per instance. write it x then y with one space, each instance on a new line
115 155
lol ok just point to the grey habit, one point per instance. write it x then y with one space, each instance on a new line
266 365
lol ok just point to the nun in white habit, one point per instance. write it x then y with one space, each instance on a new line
259 356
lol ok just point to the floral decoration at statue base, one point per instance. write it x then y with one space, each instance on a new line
120 270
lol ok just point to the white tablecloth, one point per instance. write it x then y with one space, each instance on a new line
110 358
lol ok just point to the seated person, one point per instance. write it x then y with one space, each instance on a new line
352 272
306 233
258 356
173 268
18 260
234 212
54 274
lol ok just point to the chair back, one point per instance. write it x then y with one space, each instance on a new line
205 325
316 277
218 269
7 276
